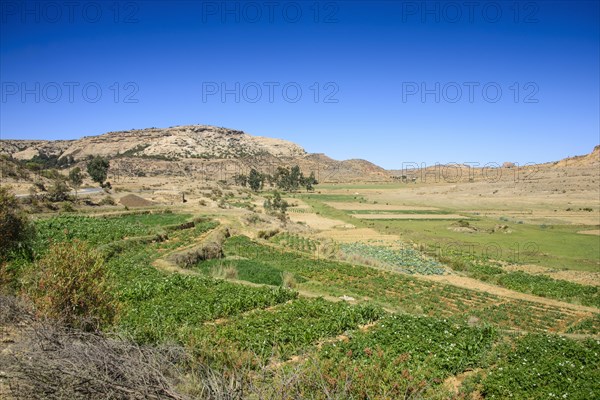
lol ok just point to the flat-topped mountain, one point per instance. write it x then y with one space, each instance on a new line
196 141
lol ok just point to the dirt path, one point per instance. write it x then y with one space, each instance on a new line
582 277
474 284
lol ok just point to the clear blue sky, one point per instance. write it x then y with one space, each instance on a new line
378 67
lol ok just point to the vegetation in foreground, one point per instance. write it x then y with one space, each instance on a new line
404 337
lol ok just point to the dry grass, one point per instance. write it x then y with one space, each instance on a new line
224 271
289 280
50 361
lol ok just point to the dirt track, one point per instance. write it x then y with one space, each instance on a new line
474 284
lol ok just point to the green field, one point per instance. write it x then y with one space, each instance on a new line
555 246
399 336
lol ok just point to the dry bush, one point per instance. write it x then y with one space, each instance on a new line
254 219
48 361
267 234
45 360
210 249
288 280
107 201
206 251
328 249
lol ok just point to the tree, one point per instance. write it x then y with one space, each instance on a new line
282 178
59 191
291 179
240 179
76 179
276 206
98 169
295 178
309 182
255 180
16 231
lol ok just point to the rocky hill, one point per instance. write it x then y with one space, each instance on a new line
588 160
194 150
172 143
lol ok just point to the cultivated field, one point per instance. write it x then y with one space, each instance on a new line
358 292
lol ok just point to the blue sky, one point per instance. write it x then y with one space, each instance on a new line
389 81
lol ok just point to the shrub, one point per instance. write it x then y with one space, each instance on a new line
67 207
107 201
222 203
267 234
208 251
289 280
51 361
16 231
254 218
59 191
70 283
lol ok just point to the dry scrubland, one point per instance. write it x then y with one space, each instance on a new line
425 290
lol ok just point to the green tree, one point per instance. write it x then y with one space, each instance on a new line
290 179
98 169
76 179
295 178
309 182
282 178
255 180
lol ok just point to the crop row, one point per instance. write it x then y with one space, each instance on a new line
545 367
295 242
159 306
405 259
102 230
403 292
404 354
544 286
156 306
539 285
285 330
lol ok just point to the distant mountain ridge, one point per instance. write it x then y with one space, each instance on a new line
219 153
